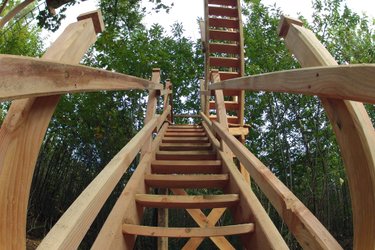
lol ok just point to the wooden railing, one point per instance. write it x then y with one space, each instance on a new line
335 85
35 86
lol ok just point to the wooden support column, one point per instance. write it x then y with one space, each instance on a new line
203 97
353 128
22 134
168 99
220 109
151 108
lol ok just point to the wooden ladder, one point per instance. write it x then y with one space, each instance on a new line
224 51
186 160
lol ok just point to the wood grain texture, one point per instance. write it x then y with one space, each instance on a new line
125 210
352 82
186 181
23 77
176 232
354 133
21 136
301 222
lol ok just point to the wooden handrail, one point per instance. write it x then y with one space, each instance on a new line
351 82
30 77
353 129
69 231
301 222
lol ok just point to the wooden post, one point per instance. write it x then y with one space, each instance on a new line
22 134
203 97
168 99
353 128
151 108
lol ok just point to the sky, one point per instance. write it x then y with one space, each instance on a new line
187 12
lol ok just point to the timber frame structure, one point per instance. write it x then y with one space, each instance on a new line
176 157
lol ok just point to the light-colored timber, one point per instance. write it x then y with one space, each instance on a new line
353 129
186 167
191 201
185 146
187 232
186 134
185 139
186 181
185 155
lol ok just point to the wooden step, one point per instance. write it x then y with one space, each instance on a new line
185 139
178 232
185 146
224 48
184 126
225 75
185 130
186 167
186 201
223 2
223 23
179 134
229 105
226 62
185 155
224 35
186 181
231 119
222 11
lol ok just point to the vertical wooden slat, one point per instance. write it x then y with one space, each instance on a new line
354 133
22 134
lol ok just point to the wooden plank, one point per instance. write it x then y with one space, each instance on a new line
191 201
151 108
210 221
223 23
175 232
227 48
225 75
179 134
187 115
352 82
185 130
223 2
354 133
222 11
229 105
240 131
249 209
22 134
186 181
186 126
185 155
125 209
184 146
185 139
231 119
301 222
225 35
186 167
226 62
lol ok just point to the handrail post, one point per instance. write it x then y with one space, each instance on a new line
168 99
220 109
353 128
151 108
23 130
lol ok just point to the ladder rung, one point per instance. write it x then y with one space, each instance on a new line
224 35
223 2
185 139
223 23
179 134
186 155
227 62
186 181
186 201
231 119
222 11
186 167
185 146
224 48
179 232
229 105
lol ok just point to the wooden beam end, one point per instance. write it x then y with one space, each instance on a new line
97 19
285 23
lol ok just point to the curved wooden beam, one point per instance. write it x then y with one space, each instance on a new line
352 82
21 136
23 77
354 133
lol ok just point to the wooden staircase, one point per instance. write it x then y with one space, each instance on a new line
224 52
186 159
